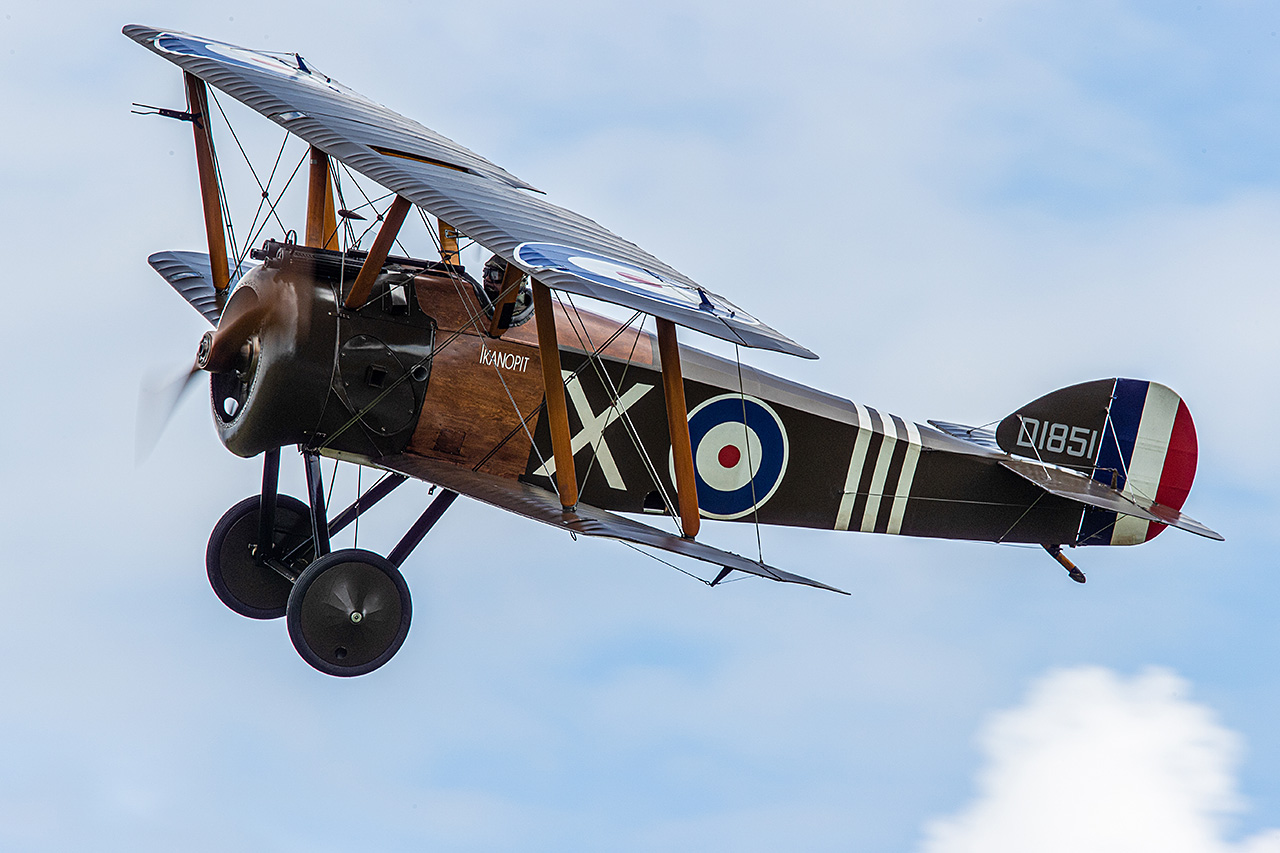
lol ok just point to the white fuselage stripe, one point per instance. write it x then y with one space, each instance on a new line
856 462
881 472
903 490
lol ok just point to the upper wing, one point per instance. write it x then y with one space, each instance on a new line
564 250
541 505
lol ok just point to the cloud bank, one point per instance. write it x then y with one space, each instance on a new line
1093 761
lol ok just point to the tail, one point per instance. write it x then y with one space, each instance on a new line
1133 443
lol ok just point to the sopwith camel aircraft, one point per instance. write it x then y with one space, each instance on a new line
494 384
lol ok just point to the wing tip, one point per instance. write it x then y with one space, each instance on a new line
789 577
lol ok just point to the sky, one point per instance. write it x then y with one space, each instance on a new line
958 205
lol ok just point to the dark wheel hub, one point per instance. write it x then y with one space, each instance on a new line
349 612
237 576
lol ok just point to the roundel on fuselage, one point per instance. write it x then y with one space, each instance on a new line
740 453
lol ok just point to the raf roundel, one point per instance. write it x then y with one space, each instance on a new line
740 454
627 277
604 270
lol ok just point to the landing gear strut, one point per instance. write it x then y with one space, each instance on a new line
269 556
237 567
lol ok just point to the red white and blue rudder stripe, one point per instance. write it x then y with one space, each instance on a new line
1148 451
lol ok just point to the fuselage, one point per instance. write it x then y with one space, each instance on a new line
415 372
765 449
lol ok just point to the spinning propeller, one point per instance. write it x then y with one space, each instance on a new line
231 347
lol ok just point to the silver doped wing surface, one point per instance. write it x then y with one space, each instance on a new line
539 504
191 274
564 250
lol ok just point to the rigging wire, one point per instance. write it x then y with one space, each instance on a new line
367 201
666 563
240 253
333 479
224 207
523 419
574 373
1025 512
611 388
746 441
340 221
262 227
434 234
249 162
580 330
698 578
254 228
1124 469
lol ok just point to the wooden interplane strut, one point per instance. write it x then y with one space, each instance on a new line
198 106
448 242
377 256
322 218
557 406
678 427
507 293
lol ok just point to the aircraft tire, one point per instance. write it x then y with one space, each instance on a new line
239 582
349 612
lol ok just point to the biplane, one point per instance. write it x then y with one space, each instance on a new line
494 384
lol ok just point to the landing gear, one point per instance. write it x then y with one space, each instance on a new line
349 612
238 574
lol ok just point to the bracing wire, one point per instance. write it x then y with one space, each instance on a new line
355 536
241 252
333 479
263 226
252 170
652 556
746 441
612 389
572 375
254 228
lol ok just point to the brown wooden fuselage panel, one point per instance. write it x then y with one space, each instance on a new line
485 394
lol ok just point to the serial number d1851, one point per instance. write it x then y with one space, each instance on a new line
1075 441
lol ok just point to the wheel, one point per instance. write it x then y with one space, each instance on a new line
246 587
349 612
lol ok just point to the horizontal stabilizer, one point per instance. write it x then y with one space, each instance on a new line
984 438
1082 489
191 274
542 505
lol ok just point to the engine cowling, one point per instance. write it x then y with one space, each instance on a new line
291 365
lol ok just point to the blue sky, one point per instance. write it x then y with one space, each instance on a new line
958 205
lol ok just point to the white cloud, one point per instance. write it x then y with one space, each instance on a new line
1092 761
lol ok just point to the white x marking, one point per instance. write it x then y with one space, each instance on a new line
593 427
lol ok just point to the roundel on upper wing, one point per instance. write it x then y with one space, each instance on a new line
740 453
188 45
287 64
604 270
610 272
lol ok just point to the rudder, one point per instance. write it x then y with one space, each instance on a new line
1132 435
